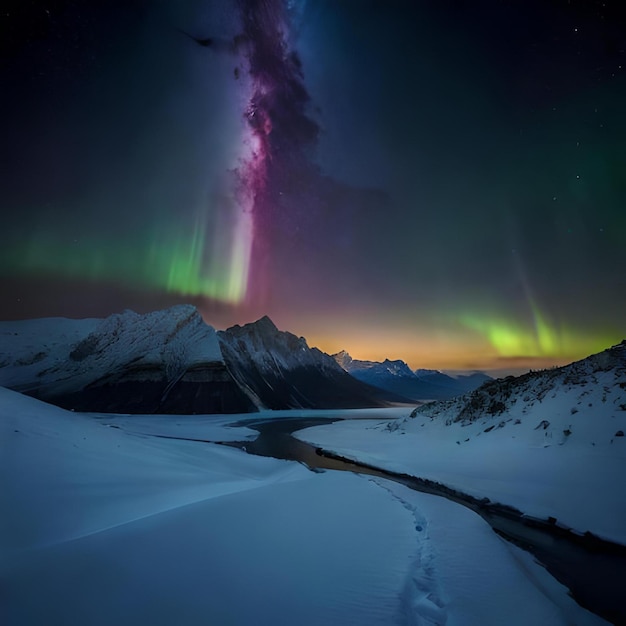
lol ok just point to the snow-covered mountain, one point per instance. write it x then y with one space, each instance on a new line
396 376
167 361
279 371
171 361
373 368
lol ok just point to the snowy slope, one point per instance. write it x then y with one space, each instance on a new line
102 526
63 354
397 377
549 443
167 361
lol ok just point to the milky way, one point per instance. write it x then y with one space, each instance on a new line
281 132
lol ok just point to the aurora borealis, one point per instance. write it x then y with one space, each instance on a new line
438 181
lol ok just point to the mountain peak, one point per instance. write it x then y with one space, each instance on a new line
398 367
343 359
265 323
280 370
262 326
425 372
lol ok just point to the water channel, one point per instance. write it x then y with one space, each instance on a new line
592 569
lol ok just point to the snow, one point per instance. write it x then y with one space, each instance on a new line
62 354
477 577
579 478
193 427
103 526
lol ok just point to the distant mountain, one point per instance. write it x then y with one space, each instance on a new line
397 377
472 381
172 362
587 398
425 372
442 384
344 360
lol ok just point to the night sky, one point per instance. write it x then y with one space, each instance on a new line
442 181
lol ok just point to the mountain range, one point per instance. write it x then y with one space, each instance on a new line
396 377
171 361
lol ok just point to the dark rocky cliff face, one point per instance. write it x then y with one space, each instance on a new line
202 389
281 372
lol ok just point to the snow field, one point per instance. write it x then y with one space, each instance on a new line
102 526
579 478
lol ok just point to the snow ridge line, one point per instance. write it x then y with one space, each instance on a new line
422 599
244 485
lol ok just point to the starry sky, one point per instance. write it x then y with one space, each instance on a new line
441 181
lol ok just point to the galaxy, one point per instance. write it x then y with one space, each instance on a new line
436 181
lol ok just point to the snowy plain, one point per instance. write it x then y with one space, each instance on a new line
103 525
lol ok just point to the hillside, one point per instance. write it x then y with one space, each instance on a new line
550 443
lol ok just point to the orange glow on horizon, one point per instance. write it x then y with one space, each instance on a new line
419 348
426 348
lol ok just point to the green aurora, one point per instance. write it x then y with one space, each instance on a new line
538 339
173 260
